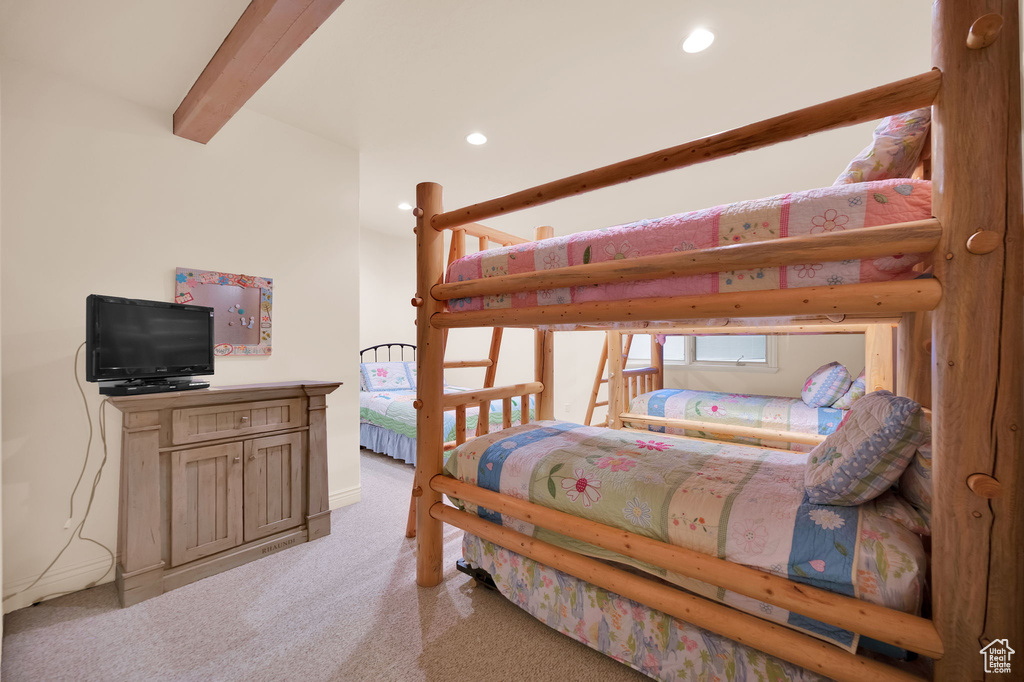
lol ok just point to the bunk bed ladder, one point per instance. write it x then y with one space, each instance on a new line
602 378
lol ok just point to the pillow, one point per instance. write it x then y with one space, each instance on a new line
857 391
386 376
916 482
826 385
866 456
893 507
894 153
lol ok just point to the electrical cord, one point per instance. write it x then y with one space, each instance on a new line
77 532
88 445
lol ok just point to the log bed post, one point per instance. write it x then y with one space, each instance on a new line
976 338
544 353
616 384
879 362
658 362
430 385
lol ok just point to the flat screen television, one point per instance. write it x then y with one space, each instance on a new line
151 345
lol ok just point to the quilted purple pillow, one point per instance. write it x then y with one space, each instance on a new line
826 385
895 150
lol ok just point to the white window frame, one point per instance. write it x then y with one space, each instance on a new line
689 361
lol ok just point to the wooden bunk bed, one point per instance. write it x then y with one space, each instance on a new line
626 385
959 355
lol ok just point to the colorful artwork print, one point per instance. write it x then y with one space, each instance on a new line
242 308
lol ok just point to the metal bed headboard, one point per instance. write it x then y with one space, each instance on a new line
375 350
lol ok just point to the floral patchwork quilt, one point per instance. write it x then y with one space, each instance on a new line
737 409
746 505
830 209
393 410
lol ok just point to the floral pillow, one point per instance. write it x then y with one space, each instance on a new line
868 453
856 392
386 376
895 151
826 385
893 507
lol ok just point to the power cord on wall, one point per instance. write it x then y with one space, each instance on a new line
77 532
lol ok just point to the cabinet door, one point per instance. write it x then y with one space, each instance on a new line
273 485
206 501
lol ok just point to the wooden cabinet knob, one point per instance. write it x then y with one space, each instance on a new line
252 458
238 458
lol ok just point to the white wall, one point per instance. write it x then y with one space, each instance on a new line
100 197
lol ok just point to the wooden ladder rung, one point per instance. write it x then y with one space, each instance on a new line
603 381
601 404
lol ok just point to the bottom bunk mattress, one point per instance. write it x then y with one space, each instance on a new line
737 409
743 504
643 638
387 421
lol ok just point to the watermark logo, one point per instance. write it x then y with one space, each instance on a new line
997 656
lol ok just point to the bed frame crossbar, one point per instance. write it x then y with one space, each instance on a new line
879 298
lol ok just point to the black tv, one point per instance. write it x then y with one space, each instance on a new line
151 346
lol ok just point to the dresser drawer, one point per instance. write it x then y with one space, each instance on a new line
196 424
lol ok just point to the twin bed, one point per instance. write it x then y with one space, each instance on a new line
696 559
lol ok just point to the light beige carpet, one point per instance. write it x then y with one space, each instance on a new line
345 607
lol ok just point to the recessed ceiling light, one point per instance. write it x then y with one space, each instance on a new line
699 40
405 206
476 138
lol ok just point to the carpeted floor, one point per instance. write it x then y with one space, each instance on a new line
345 607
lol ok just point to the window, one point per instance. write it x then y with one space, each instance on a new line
705 352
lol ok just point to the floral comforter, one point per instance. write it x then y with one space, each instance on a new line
830 209
743 504
393 410
737 409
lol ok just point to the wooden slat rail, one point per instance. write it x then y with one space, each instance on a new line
776 640
726 429
490 234
894 627
919 236
881 298
705 439
453 400
459 364
892 98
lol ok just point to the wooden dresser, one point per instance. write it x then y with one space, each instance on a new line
214 478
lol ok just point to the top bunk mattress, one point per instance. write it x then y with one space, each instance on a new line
842 207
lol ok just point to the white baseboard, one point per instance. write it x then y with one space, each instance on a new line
343 498
70 579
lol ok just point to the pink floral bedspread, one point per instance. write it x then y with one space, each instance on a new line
844 207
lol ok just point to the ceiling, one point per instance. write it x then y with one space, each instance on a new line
558 87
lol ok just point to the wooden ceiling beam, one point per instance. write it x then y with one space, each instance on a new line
265 36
